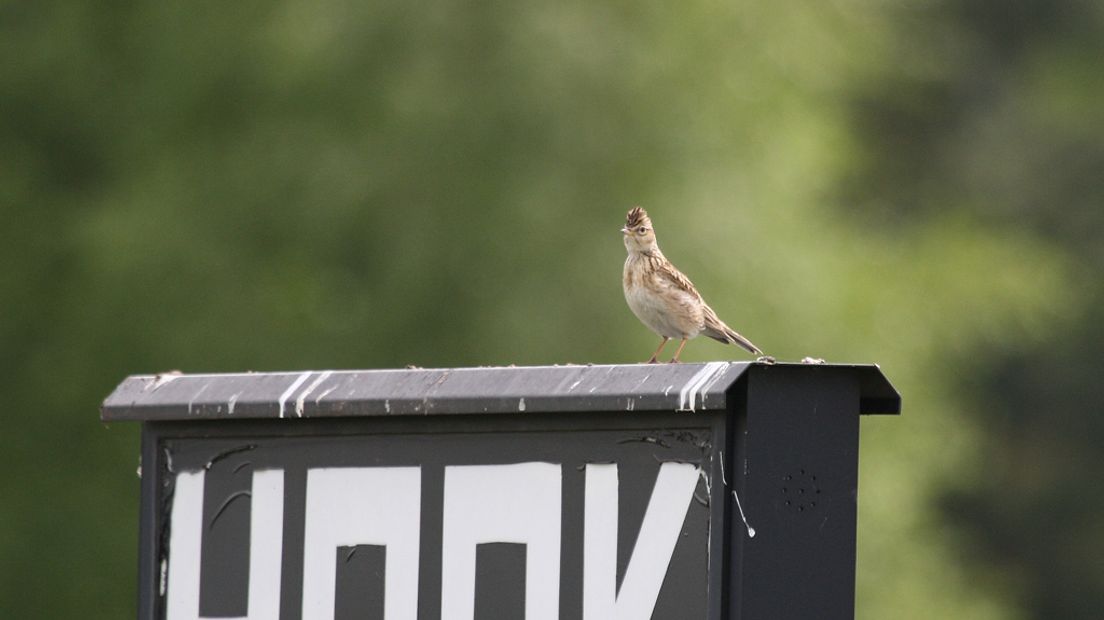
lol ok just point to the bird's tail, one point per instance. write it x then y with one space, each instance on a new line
717 330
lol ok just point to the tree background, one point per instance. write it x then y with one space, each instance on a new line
213 186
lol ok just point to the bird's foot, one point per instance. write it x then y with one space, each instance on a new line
765 359
652 361
674 360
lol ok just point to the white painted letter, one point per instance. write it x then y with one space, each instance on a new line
659 533
348 506
502 503
266 539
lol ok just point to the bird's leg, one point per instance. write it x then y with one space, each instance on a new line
674 360
656 354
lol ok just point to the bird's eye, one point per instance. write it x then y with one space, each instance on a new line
642 229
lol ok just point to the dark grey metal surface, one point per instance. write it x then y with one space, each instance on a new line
795 445
533 389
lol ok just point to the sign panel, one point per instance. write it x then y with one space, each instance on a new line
457 525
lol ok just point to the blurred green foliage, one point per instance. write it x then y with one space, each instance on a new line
288 185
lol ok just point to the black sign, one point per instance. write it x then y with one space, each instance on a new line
673 492
597 524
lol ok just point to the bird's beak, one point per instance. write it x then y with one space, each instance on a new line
624 230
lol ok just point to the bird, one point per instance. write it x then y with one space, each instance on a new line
663 298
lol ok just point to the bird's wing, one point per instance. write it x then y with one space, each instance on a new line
668 274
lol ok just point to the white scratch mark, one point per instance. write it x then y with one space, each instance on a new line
668 390
716 377
291 388
574 385
750 530
709 544
323 394
310 388
164 575
387 406
631 405
196 395
231 403
689 392
521 404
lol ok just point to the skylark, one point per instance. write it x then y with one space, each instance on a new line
662 297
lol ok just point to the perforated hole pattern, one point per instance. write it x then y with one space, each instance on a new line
800 491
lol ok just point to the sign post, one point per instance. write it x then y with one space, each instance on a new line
718 490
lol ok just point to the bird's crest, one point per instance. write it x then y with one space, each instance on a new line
636 217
